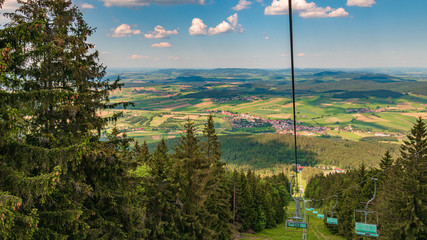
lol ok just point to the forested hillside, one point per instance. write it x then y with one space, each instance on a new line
401 196
266 150
59 180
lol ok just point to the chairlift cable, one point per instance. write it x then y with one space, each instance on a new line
293 90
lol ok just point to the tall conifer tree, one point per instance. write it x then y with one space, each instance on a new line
217 204
51 89
403 202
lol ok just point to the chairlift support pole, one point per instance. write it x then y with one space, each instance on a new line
367 204
297 206
366 229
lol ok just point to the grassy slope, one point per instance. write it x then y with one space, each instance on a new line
316 231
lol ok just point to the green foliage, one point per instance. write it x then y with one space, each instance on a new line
57 179
267 150
401 197
403 215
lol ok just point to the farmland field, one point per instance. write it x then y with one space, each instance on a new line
260 101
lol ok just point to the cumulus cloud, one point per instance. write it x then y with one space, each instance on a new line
243 4
360 3
136 56
87 6
223 27
125 30
139 3
304 8
226 27
161 45
160 32
197 27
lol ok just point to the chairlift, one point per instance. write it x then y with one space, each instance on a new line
332 219
321 215
365 228
297 221
308 208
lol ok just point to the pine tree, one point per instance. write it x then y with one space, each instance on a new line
142 153
386 161
193 179
66 182
403 200
161 193
217 203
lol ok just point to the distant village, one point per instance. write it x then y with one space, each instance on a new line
243 120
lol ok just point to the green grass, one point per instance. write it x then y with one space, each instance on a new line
316 110
316 230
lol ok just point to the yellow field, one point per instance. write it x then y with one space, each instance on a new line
369 118
422 114
283 115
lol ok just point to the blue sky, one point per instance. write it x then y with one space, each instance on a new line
254 33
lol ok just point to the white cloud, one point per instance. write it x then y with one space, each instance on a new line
87 6
173 58
136 56
161 45
223 27
139 3
125 30
301 54
243 4
227 27
304 8
360 3
10 5
160 32
197 27
340 12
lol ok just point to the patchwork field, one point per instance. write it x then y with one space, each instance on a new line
164 101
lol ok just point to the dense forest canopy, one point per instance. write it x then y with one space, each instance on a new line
63 176
58 180
401 197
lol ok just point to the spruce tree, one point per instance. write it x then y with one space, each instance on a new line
161 194
386 161
193 178
66 182
217 203
403 200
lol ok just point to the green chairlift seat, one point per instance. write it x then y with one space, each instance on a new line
369 230
296 224
366 229
333 221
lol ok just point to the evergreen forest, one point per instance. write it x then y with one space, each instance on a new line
397 187
58 180
62 176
